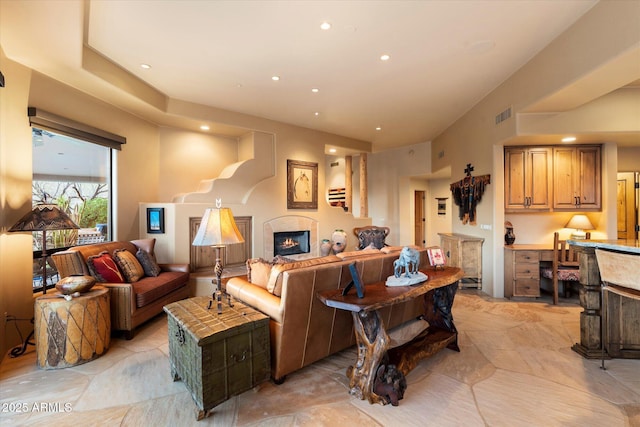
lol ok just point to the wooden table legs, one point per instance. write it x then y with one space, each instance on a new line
378 375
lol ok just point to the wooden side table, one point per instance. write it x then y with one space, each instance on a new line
70 333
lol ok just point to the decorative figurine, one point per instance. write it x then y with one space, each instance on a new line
409 260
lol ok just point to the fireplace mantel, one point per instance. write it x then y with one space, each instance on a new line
291 223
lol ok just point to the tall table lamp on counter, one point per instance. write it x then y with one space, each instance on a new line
217 229
43 217
580 223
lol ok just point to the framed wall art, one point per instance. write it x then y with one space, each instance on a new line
302 185
155 220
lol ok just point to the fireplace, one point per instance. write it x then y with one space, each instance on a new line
291 243
289 223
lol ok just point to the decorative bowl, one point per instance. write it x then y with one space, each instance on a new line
75 283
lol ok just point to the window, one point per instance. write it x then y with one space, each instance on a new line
76 176
71 168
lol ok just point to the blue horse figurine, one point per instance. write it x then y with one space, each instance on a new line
409 260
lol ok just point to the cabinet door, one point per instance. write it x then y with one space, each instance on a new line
588 179
527 182
576 172
564 160
539 178
450 250
514 178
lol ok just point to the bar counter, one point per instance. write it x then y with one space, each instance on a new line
628 246
590 345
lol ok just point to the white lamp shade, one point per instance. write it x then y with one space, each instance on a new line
579 222
217 228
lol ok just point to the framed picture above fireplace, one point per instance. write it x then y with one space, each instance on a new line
302 185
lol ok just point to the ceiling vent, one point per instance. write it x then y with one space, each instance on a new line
503 116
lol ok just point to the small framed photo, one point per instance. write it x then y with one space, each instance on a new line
355 282
155 220
302 185
436 257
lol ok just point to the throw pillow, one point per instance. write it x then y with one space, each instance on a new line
149 265
104 268
129 265
258 271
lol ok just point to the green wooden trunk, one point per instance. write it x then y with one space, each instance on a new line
217 356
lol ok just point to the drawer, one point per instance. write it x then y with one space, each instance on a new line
527 288
527 271
527 256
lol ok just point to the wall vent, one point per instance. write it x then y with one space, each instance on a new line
503 116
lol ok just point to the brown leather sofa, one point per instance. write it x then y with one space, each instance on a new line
303 329
131 303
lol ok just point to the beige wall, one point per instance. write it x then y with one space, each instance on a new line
16 296
629 159
575 60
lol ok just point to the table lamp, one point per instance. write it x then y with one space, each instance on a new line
579 223
217 229
44 217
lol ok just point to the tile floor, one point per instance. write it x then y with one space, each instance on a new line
515 368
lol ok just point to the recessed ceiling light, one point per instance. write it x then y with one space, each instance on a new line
332 150
145 66
316 114
275 78
569 139
315 90
378 128
325 26
385 57
204 127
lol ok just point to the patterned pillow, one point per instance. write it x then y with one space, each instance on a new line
104 268
129 265
149 265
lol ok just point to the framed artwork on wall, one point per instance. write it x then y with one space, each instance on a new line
302 185
155 220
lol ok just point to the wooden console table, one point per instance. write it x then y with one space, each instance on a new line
374 356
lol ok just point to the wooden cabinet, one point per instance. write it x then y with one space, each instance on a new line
527 178
550 178
464 252
577 181
521 273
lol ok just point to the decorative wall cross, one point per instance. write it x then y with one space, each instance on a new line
467 193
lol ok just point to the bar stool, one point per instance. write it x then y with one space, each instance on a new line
620 274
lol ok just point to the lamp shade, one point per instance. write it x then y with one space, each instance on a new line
44 217
217 228
579 222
